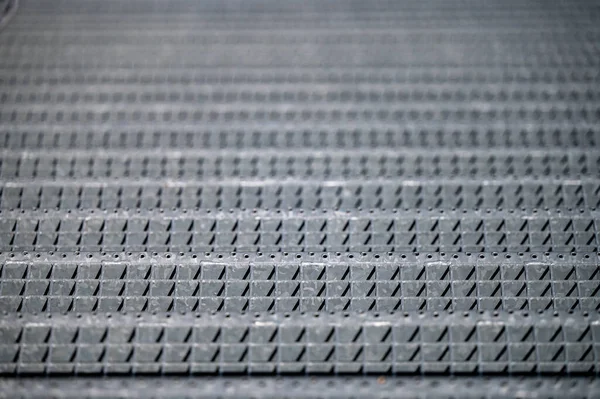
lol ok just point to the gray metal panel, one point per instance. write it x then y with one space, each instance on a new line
298 282
330 187
303 387
292 193
313 343
200 230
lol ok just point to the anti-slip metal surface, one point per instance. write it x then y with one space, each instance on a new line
294 387
336 188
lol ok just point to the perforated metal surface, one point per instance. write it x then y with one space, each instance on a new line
328 187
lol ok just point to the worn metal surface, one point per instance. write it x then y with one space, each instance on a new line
273 188
299 387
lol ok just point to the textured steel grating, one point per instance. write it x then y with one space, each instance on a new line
304 165
294 387
299 282
357 135
268 231
350 194
277 188
372 343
